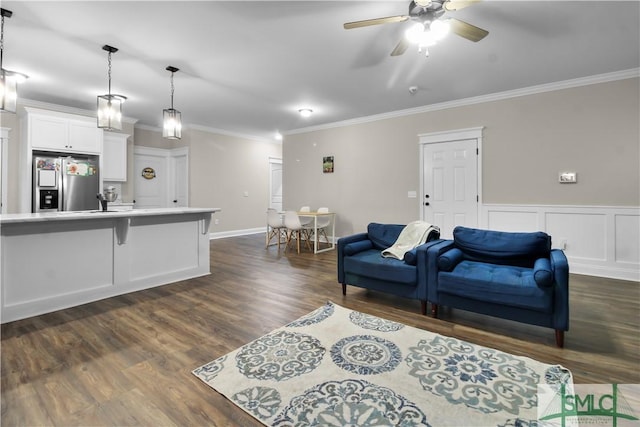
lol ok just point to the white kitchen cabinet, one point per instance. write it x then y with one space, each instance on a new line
85 137
114 157
54 131
49 133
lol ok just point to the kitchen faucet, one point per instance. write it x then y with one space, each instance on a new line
103 202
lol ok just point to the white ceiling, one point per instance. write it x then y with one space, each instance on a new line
247 67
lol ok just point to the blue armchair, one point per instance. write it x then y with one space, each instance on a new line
514 276
360 263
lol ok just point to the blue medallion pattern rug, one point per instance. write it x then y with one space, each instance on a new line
337 367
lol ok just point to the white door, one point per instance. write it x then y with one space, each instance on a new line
180 178
275 184
151 171
450 185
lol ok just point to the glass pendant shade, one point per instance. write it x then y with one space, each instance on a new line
8 92
171 118
172 123
9 80
110 111
110 105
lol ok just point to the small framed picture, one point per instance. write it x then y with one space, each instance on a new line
327 164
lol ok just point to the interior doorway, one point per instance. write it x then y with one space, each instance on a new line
161 177
275 183
451 179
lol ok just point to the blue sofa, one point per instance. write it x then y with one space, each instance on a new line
361 264
514 276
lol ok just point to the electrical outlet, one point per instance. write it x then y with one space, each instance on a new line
216 221
563 244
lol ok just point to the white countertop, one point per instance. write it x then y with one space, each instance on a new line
84 215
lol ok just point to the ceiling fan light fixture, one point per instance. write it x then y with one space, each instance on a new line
110 105
414 33
172 118
440 29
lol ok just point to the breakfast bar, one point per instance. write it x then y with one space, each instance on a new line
52 261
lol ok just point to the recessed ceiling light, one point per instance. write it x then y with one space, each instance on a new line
305 112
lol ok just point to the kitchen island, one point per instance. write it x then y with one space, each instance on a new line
52 261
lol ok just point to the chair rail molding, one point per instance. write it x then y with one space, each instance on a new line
599 241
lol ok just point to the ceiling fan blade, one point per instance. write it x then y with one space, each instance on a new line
468 31
376 21
401 47
453 5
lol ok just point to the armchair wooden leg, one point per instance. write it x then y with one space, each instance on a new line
559 338
423 307
344 289
434 310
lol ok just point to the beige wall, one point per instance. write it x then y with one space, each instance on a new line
592 130
221 169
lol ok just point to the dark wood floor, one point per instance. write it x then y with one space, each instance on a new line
128 360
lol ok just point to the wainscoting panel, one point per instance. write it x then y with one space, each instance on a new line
598 240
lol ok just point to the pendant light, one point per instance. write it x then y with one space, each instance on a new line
110 105
172 118
8 79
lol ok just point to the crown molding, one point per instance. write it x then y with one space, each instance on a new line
229 133
65 109
531 90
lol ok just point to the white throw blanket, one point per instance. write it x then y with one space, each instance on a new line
413 234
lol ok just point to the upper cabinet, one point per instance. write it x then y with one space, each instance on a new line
53 131
114 157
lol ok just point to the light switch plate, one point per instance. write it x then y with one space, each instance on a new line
412 194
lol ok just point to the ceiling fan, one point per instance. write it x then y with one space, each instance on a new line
429 28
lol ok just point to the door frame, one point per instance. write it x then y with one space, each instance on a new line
169 155
452 136
272 161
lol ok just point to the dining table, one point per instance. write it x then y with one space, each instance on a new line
315 216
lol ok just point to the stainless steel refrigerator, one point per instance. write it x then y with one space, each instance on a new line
65 182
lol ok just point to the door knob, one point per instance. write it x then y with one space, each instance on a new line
426 203
426 196
175 201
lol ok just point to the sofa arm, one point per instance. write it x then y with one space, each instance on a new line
433 252
342 242
560 268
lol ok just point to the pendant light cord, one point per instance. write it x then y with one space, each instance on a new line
172 89
1 40
109 73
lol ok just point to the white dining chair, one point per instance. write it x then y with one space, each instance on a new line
323 222
275 227
305 221
294 229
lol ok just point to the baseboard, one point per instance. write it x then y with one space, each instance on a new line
236 233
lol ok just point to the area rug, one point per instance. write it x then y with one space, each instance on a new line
337 367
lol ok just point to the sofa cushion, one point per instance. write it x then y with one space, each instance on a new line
383 235
448 260
542 273
355 247
500 284
500 247
371 264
